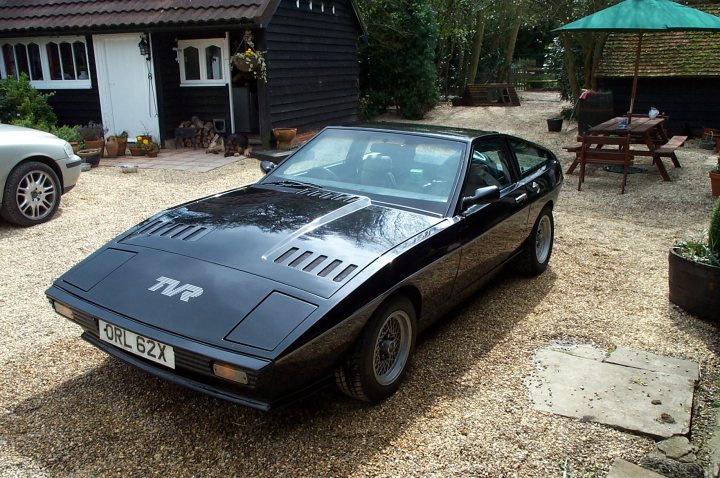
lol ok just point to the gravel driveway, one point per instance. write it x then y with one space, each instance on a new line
67 409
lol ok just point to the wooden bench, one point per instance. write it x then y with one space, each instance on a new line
592 152
573 148
666 150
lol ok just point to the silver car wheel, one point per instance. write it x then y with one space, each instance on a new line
543 239
36 195
392 347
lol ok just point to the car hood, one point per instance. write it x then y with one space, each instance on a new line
18 135
228 267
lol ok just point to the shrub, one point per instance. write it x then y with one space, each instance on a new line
68 133
23 105
714 231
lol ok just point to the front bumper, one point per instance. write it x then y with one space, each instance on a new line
193 360
70 172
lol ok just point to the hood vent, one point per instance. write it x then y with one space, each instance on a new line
317 264
333 196
179 231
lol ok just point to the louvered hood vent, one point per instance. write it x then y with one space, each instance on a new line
173 230
317 264
333 196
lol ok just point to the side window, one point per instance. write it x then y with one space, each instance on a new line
488 167
529 157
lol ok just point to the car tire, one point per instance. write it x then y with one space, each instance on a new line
380 358
535 256
31 195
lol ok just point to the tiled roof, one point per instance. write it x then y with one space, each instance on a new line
38 16
677 54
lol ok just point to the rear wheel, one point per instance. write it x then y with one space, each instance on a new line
31 195
381 356
536 252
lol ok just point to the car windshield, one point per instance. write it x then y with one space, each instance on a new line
404 169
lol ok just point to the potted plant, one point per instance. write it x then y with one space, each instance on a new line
694 274
151 149
715 179
249 60
121 138
90 156
93 135
69 134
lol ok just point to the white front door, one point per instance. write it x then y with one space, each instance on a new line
126 85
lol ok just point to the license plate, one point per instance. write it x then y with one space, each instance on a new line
137 344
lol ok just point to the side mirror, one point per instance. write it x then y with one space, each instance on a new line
267 166
484 195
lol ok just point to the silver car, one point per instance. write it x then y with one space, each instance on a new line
36 168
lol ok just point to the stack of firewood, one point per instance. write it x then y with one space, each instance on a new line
204 132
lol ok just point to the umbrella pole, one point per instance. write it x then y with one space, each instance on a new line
635 76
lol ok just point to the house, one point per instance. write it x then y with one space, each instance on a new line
150 65
679 74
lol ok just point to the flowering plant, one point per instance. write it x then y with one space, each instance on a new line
248 59
147 145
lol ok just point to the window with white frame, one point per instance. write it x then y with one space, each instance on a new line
202 62
49 63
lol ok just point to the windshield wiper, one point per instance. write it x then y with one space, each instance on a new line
289 183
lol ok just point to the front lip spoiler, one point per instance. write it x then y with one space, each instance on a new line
172 377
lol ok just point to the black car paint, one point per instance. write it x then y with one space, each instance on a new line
237 257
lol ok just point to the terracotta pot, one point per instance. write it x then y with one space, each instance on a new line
111 147
122 145
152 154
694 286
75 146
96 144
137 151
284 137
714 183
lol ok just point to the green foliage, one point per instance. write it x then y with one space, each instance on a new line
23 105
68 133
714 230
698 250
398 64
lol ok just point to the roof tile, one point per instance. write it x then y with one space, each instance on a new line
36 16
672 54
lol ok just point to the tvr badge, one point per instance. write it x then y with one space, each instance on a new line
172 287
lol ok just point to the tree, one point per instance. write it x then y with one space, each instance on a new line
399 63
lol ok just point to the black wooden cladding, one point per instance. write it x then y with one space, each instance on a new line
312 65
180 103
691 103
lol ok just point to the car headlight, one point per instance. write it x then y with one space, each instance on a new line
68 150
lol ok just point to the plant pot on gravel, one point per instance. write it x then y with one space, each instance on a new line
554 124
694 272
90 156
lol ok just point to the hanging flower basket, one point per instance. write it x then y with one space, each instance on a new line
249 60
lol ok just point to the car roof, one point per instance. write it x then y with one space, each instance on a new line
448 132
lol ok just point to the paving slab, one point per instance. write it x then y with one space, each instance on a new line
653 403
580 350
624 469
657 363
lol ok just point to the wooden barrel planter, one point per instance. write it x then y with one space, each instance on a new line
695 287
595 109
284 137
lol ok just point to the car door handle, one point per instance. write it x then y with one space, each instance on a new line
521 198
535 187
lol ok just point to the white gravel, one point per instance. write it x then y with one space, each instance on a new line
68 410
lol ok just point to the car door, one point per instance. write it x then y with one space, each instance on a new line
535 174
490 233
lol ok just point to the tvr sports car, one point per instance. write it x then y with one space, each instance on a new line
326 269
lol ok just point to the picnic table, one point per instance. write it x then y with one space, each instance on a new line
649 134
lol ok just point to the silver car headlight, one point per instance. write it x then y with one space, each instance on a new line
68 150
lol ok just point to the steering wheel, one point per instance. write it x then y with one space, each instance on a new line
323 173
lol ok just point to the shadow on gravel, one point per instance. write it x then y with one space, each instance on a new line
116 420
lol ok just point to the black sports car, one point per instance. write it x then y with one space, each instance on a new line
326 268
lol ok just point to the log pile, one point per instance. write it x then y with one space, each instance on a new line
204 132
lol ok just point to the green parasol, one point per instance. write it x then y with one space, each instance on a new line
642 16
